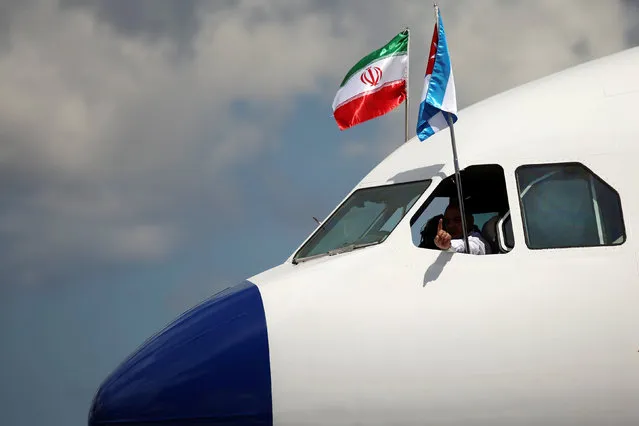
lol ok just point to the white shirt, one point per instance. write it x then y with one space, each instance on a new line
476 242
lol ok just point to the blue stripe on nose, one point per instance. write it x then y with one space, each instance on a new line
209 367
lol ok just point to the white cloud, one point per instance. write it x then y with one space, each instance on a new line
500 44
141 242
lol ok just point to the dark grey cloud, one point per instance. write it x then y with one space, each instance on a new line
288 11
631 14
581 48
9 9
179 20
152 19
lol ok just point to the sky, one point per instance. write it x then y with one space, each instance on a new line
154 152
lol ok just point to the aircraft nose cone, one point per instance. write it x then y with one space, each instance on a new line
210 366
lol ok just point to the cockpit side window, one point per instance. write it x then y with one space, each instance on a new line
567 205
367 217
485 199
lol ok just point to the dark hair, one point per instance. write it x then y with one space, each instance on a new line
429 232
454 203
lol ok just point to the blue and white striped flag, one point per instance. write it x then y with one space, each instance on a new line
438 95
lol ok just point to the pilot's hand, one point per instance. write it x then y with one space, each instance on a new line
442 239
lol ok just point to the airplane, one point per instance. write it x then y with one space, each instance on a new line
365 325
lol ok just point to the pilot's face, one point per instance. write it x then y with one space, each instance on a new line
453 222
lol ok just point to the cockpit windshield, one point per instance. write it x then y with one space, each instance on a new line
367 217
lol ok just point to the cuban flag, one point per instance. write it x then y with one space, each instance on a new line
438 95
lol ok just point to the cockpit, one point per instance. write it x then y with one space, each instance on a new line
563 205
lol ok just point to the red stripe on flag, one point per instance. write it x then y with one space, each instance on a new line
433 52
370 105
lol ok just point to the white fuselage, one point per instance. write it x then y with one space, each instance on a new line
396 334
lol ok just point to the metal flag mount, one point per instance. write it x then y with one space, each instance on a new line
458 183
406 103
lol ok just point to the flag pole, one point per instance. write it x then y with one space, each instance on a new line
460 194
406 103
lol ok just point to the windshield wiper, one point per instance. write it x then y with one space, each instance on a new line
350 247
344 249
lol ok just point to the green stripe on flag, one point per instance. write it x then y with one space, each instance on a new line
397 46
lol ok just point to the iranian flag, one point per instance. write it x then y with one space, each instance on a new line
375 85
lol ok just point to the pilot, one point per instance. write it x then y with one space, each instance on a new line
451 236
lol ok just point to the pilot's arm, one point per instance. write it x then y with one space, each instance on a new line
444 241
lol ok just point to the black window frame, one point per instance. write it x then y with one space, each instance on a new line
506 210
591 172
